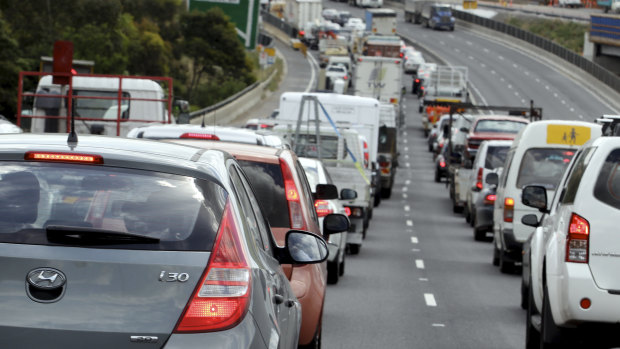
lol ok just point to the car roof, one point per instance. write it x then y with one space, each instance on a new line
238 150
502 117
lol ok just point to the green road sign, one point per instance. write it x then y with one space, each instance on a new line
244 13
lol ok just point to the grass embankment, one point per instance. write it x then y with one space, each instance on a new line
565 33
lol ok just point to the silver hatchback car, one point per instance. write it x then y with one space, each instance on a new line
114 243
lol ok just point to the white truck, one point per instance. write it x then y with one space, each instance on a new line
380 78
303 13
108 105
381 21
413 10
348 116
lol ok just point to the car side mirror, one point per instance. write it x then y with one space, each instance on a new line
326 192
468 164
530 220
348 194
464 129
492 178
335 223
535 196
303 247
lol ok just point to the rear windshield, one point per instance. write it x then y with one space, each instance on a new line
307 147
501 126
268 184
607 188
543 166
496 156
42 203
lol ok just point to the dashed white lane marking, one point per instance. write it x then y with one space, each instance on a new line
563 102
405 141
492 71
555 95
404 196
502 79
517 94
442 43
409 223
509 86
572 110
404 133
406 148
407 182
419 264
546 87
581 116
407 164
439 325
486 50
430 300
514 65
457 50
407 208
415 250
483 65
523 101
469 43
406 156
414 240
527 73
405 189
423 279
501 57
537 80
471 57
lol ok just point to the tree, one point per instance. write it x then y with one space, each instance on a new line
10 66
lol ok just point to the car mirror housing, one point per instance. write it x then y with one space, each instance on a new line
348 194
303 247
530 220
535 196
492 178
326 192
335 223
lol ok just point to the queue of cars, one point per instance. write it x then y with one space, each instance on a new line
546 196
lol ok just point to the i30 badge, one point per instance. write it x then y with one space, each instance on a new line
45 285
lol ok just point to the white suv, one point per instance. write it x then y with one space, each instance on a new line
571 262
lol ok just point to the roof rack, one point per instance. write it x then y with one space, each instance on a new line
532 113
610 125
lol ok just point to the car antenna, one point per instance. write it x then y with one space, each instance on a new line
203 121
72 139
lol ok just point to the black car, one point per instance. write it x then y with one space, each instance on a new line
483 218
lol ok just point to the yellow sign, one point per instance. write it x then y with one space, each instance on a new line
470 5
567 134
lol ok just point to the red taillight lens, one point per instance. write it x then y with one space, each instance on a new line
442 164
366 155
345 77
222 297
577 240
417 80
322 208
479 178
206 136
509 209
292 196
490 199
347 211
63 157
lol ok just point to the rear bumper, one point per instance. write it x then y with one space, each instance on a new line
513 249
484 218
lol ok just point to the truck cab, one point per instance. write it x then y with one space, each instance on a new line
438 16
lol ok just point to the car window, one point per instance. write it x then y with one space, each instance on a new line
307 191
572 183
607 187
543 166
504 177
184 213
501 126
307 147
268 185
496 157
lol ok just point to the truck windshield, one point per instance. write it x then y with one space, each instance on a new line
90 104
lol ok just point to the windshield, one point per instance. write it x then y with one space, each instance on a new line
499 126
496 156
182 212
98 107
543 166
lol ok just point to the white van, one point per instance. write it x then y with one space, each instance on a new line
98 106
538 156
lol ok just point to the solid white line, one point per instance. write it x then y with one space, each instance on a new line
414 240
407 208
430 300
419 264
409 223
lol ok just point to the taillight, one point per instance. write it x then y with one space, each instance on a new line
195 135
479 178
355 212
417 81
347 211
222 297
577 240
345 77
63 157
322 208
292 196
489 199
509 209
366 155
442 164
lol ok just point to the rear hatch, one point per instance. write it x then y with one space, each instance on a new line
94 256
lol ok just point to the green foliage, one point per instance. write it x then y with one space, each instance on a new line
565 33
200 51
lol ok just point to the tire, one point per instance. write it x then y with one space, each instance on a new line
355 249
456 208
467 214
437 176
524 295
472 221
386 193
532 336
550 335
505 266
495 255
333 272
377 201
430 147
479 235
342 264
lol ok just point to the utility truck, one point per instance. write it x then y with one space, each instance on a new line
380 78
102 104
381 21
307 114
447 84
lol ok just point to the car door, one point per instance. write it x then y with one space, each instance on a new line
279 297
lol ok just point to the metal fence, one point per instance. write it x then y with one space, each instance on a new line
596 70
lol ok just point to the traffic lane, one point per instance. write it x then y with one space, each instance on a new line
420 279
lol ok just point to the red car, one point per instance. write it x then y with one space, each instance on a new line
491 127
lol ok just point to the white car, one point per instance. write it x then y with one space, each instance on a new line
355 24
412 61
336 243
334 72
572 285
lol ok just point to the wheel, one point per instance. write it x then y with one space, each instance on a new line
421 109
341 268
437 176
467 214
479 235
386 193
495 255
354 249
532 336
456 208
333 272
505 266
377 201
430 147
524 295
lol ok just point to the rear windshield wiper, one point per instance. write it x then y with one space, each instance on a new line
84 235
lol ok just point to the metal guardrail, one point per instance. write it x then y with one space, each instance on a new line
596 70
